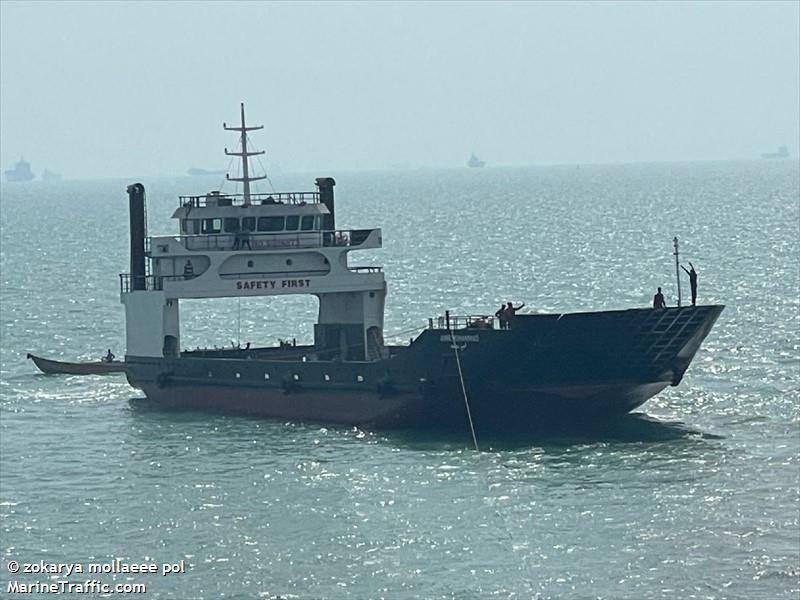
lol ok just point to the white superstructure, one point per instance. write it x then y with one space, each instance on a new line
264 244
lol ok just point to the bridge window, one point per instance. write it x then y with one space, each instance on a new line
308 223
248 223
212 225
191 226
270 223
231 225
292 222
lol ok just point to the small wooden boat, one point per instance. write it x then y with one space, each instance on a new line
84 368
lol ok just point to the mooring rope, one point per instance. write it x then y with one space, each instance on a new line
464 391
485 472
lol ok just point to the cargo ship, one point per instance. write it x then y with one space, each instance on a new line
534 371
783 152
21 172
475 163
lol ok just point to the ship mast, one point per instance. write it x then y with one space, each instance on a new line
245 155
677 271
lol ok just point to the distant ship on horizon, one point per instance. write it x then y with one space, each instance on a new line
195 172
48 175
783 152
475 163
21 172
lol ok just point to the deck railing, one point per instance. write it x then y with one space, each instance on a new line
213 199
150 282
448 321
268 241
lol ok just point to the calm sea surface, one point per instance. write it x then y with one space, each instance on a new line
697 496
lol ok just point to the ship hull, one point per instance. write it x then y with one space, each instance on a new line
516 411
546 370
13 178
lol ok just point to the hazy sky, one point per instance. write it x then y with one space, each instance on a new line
103 89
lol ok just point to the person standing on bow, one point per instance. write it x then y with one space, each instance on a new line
658 300
692 282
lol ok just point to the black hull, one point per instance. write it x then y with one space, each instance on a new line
517 411
549 369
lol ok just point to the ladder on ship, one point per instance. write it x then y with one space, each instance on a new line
664 332
147 265
374 344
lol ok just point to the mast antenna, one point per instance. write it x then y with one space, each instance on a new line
245 155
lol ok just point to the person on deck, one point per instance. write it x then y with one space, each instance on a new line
658 300
188 270
109 357
511 312
501 316
692 282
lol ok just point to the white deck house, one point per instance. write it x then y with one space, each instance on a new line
249 244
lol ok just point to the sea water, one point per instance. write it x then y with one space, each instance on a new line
694 496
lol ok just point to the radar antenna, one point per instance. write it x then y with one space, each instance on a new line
245 155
